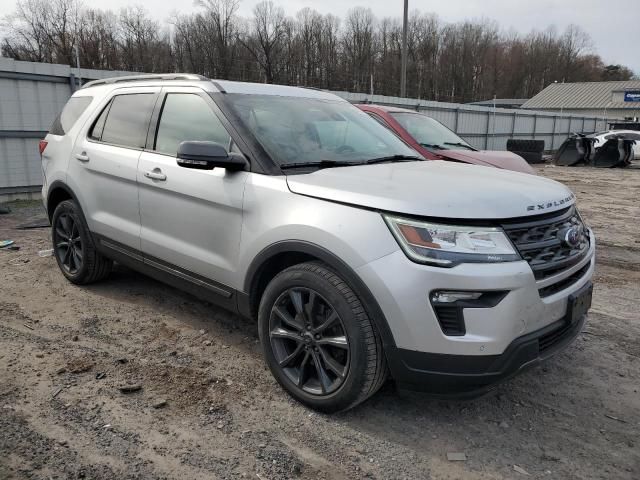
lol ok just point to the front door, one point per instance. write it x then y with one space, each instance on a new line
190 218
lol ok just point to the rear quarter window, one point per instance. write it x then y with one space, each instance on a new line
69 115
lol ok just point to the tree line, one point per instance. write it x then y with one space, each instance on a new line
456 62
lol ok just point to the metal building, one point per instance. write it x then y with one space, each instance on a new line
619 100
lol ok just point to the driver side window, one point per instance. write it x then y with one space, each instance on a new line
187 116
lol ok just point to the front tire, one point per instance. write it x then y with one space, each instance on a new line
73 246
318 340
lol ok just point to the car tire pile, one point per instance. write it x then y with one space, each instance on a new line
530 150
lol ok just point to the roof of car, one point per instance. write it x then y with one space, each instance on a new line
386 108
271 89
225 86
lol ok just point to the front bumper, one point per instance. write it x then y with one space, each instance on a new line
498 342
472 375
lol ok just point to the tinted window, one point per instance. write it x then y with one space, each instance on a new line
128 120
69 115
188 117
98 127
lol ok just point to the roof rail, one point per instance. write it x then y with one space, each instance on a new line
142 78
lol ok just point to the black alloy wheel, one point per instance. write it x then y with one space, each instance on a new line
67 243
74 248
318 340
309 341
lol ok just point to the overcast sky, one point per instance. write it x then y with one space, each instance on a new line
612 24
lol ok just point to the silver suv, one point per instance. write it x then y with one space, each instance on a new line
357 258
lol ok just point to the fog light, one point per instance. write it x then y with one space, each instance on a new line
446 296
449 305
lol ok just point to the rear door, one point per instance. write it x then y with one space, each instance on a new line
191 219
104 163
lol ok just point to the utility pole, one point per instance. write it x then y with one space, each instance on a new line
78 65
403 72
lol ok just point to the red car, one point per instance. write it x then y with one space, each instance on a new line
436 142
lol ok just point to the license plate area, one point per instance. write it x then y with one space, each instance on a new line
579 303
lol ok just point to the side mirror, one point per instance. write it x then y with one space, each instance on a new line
207 156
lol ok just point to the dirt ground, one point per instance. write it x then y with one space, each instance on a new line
66 350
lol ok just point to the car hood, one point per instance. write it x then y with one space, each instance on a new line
435 188
492 158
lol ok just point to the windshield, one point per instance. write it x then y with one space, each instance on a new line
310 130
429 132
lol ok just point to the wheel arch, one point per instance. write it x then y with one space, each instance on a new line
59 192
278 256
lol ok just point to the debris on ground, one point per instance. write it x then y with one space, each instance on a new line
520 470
38 222
6 243
456 457
100 375
159 403
615 418
46 253
130 388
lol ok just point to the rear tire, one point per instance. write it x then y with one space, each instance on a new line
73 246
518 145
328 369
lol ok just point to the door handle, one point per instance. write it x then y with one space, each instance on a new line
83 157
156 175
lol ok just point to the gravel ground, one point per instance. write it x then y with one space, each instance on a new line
207 407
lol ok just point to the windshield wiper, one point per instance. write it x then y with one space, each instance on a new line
433 145
319 164
460 144
393 158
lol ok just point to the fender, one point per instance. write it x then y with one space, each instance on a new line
335 263
59 184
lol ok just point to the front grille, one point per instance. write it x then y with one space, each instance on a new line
564 283
539 241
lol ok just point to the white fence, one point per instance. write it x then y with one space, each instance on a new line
32 94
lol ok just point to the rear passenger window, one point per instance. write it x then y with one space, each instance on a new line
127 120
69 115
185 117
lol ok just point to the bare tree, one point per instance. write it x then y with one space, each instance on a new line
221 26
359 46
458 62
42 31
266 37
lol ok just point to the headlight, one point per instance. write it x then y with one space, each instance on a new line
448 245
